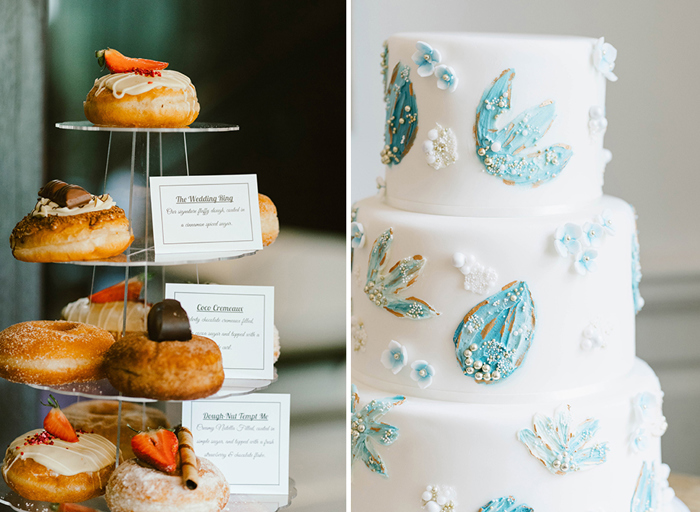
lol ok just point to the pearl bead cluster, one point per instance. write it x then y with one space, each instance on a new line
385 63
375 292
565 462
433 501
480 370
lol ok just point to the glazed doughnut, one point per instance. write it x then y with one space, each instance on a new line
53 352
136 487
159 99
55 233
268 220
100 417
165 370
39 466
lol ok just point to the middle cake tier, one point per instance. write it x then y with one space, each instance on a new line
493 308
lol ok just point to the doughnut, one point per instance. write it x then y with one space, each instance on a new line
107 315
268 220
56 232
100 417
137 487
166 370
39 466
142 99
50 353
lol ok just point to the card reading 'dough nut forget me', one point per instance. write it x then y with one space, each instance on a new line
247 437
240 319
205 214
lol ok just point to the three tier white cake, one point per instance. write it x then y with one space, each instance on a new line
495 290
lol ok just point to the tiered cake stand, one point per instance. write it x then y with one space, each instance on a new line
141 253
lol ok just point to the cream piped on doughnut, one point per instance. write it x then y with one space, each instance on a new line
107 315
137 83
91 453
46 207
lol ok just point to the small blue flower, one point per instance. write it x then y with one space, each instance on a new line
446 78
394 358
604 55
426 58
594 234
585 262
640 439
422 373
357 235
605 220
567 239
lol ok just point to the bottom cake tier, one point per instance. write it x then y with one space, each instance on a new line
598 452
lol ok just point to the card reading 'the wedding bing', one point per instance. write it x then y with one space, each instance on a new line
203 214
247 437
240 319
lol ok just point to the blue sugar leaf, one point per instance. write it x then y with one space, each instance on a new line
401 124
507 153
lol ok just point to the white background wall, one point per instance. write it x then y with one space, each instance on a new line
653 113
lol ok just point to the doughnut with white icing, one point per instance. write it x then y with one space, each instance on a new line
39 466
156 99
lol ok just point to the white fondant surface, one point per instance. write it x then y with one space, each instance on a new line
520 248
546 68
473 449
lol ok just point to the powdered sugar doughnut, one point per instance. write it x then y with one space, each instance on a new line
137 487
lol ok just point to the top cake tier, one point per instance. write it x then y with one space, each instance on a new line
494 125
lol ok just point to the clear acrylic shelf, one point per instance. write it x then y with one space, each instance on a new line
102 389
87 126
236 503
137 255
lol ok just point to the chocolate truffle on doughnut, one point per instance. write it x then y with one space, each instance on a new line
168 362
53 352
70 224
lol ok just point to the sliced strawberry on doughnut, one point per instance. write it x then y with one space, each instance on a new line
158 448
115 292
73 507
57 424
118 63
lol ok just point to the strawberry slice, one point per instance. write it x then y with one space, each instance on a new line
116 292
158 448
73 507
57 424
118 63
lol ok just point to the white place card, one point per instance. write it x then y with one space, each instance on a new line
246 437
205 213
240 319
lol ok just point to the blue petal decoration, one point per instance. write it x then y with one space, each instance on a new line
382 287
652 491
505 152
560 449
366 430
505 504
636 269
401 116
493 338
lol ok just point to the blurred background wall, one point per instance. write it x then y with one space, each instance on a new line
652 112
278 70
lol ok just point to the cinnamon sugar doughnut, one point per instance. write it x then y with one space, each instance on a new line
39 466
100 417
268 220
136 487
53 352
165 370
